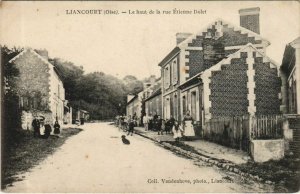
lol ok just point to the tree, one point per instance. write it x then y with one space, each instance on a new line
70 75
132 84
10 103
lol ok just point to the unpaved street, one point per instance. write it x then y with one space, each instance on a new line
96 160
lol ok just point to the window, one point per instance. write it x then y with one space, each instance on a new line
184 105
167 76
35 103
174 71
175 104
193 105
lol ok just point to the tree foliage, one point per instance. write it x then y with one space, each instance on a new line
104 96
10 102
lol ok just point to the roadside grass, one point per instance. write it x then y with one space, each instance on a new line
21 151
284 173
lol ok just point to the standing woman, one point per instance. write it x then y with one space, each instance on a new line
36 127
56 128
146 122
188 122
150 122
177 130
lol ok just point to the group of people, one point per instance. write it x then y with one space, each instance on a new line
127 123
159 125
156 123
39 126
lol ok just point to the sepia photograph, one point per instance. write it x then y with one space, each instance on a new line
150 96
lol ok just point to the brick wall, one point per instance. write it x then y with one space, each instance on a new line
229 89
250 22
233 38
213 49
267 88
195 62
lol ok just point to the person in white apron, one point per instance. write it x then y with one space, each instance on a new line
188 122
177 131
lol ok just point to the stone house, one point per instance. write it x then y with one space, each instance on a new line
134 105
79 114
221 71
40 87
152 99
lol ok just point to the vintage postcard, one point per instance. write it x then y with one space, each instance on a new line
150 97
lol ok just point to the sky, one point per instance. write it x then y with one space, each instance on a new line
132 44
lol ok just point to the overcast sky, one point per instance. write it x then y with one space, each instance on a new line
132 44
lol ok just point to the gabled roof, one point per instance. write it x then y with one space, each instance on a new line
294 42
227 60
169 56
288 60
222 23
40 57
155 93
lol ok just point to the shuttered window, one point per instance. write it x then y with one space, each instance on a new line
167 76
174 71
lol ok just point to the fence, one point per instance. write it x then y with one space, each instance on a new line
267 127
236 132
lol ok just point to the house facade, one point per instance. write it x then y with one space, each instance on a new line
153 99
41 90
134 105
221 71
290 68
79 114
148 101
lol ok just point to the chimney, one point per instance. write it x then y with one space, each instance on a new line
43 53
181 37
249 18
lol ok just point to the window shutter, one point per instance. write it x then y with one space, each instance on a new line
167 76
175 71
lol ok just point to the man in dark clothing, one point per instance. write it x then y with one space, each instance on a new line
36 127
170 124
158 123
130 125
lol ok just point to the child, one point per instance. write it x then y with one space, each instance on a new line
162 128
177 130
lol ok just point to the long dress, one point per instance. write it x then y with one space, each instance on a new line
188 126
176 131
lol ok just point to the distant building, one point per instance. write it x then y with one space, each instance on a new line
153 103
147 101
134 105
79 115
152 99
40 87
